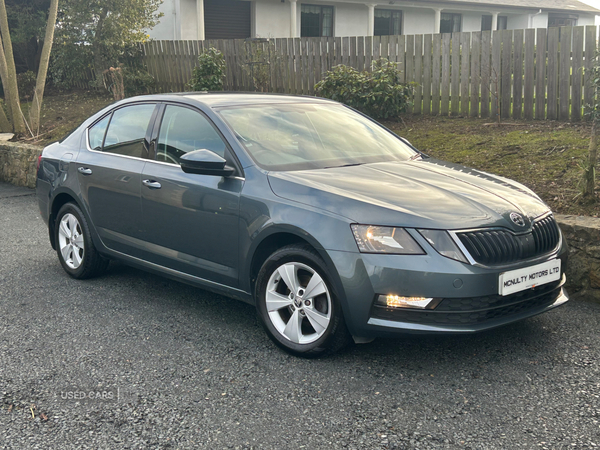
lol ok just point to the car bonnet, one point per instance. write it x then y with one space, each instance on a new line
424 193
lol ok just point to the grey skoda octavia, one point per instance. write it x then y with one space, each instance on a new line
330 224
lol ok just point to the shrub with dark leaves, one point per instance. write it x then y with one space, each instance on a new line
208 75
378 93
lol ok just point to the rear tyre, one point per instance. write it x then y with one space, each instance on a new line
74 246
297 305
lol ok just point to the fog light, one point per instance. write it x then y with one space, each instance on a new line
396 301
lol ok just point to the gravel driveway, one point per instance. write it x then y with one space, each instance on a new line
171 366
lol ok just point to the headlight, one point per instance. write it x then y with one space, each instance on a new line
373 239
444 245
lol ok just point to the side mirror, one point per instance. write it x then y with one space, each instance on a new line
205 162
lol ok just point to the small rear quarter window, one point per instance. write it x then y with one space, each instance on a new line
96 133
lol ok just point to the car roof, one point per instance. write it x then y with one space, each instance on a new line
223 99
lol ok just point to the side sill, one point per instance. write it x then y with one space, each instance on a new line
176 275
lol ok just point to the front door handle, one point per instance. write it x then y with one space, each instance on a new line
84 170
151 184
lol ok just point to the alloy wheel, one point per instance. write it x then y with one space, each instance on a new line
298 303
70 241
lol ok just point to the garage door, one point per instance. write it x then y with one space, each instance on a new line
227 19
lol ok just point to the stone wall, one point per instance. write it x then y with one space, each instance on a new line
583 271
18 163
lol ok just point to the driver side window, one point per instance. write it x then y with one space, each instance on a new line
184 130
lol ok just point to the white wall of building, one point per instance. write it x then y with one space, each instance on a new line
349 19
586 20
166 27
189 20
539 20
471 21
417 21
272 19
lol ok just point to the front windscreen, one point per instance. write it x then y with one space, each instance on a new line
312 136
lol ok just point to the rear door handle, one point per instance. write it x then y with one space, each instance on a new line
84 170
152 184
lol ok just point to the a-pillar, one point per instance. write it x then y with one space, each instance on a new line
200 19
293 19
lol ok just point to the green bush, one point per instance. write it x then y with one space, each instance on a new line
137 81
26 83
208 75
379 93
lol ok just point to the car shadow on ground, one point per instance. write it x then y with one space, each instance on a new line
236 319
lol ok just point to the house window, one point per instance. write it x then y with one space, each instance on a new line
450 23
502 22
316 21
562 20
388 22
486 23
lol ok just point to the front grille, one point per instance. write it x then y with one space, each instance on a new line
474 310
497 247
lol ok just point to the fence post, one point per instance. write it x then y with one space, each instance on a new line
529 73
518 75
540 76
577 73
590 54
564 78
475 72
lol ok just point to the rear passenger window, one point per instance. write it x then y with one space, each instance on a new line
184 130
96 133
126 134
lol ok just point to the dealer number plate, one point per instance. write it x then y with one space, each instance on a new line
521 279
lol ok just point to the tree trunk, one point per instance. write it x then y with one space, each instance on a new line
11 73
100 65
5 126
38 96
589 175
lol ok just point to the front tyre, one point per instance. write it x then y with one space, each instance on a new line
297 305
74 246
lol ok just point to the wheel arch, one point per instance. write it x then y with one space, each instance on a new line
58 200
275 238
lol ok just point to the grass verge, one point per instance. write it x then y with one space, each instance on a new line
544 156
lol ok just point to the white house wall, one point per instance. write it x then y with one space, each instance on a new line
272 19
189 20
471 21
166 27
586 20
539 20
417 21
349 19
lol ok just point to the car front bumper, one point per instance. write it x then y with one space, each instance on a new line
468 295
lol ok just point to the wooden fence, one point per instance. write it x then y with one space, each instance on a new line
533 73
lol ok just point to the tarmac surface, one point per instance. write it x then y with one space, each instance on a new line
169 366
